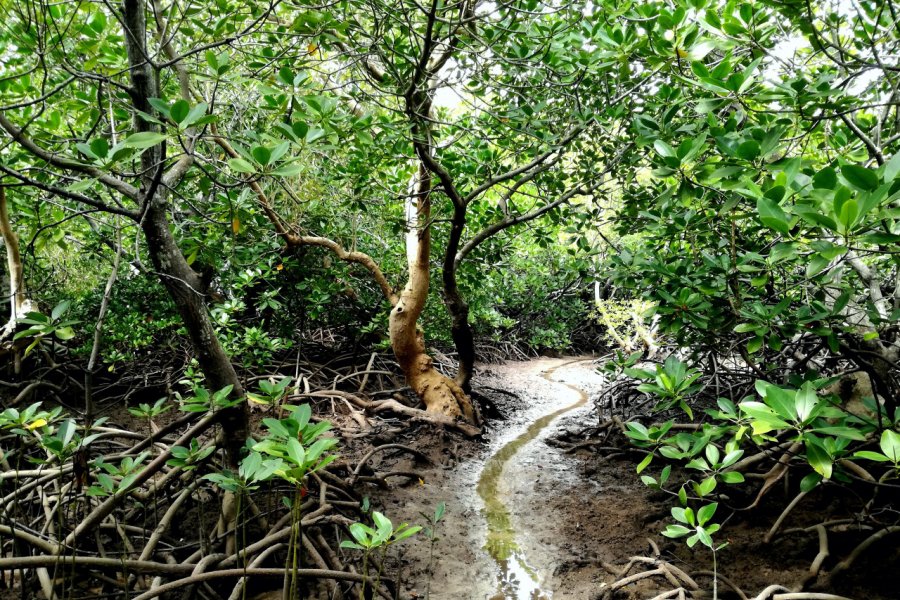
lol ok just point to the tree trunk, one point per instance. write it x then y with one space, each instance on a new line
176 275
456 305
18 300
186 290
440 394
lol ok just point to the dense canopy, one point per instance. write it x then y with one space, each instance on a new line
204 200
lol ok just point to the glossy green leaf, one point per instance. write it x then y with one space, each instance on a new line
772 216
144 139
860 177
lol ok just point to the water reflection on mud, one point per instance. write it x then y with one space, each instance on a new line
518 579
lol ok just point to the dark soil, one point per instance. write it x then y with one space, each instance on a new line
579 514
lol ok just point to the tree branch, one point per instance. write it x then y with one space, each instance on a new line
352 256
64 193
25 142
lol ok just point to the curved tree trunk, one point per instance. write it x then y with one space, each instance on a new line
186 290
18 300
176 275
439 393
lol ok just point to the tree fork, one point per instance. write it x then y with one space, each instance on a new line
440 394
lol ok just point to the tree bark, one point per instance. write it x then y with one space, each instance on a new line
18 300
460 330
186 290
439 393
180 280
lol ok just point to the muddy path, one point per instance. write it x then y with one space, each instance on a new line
517 509
526 520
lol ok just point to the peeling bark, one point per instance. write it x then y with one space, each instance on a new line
439 393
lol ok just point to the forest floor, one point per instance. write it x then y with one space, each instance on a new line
576 515
567 511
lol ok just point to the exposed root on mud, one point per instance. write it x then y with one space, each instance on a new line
661 569
111 510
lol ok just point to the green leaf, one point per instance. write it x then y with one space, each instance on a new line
892 168
196 114
100 147
819 459
295 451
383 527
314 134
809 482
816 265
240 165
754 345
98 21
869 455
407 532
179 111
160 105
861 178
706 486
286 75
825 179
86 150
706 513
65 333
683 515
144 139
782 401
805 401
664 149
301 414
772 216
851 433
362 534
848 214
288 170
732 477
748 150
764 418
645 463
676 531
212 61
704 537
279 151
814 217
261 154
890 444
59 310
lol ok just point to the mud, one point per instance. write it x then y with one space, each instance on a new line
551 506
575 516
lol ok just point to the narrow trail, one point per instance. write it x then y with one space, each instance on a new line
510 502
518 579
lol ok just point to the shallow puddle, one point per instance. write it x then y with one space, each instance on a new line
518 579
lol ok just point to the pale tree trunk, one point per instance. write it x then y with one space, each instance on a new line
439 394
18 300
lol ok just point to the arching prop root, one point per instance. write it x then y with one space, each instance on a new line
390 405
661 569
157 534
